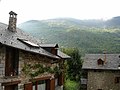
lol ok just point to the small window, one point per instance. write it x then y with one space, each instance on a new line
119 66
27 42
100 61
119 56
98 70
117 79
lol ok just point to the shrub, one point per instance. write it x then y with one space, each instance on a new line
71 85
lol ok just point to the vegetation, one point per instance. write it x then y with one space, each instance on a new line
73 68
74 65
33 70
88 36
71 85
85 36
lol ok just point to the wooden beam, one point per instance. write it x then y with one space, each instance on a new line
41 78
11 83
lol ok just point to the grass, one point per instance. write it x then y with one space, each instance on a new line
71 85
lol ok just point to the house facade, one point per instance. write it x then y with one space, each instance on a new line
25 63
101 72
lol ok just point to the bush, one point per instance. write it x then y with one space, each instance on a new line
71 85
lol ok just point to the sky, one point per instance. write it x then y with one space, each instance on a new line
49 9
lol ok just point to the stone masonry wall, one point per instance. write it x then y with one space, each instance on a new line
2 61
104 80
2 64
29 58
24 58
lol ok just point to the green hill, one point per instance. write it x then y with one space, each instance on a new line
90 36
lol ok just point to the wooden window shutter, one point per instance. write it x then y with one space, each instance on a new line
28 86
52 84
117 79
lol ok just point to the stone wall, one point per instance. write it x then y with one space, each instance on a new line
32 59
24 58
29 58
104 80
2 61
2 64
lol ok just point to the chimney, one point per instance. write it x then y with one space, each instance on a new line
104 52
12 21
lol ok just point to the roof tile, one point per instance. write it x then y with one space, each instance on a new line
10 39
112 61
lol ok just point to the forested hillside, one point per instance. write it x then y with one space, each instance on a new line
89 36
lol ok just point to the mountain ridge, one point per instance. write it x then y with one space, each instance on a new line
90 36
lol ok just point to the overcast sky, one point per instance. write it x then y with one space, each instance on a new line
48 9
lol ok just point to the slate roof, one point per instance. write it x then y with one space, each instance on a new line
12 13
10 38
49 45
112 61
63 55
59 53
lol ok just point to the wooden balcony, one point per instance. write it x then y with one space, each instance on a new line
83 81
6 79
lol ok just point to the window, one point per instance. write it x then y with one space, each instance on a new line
39 85
56 82
29 43
100 61
119 56
119 66
99 89
98 70
117 79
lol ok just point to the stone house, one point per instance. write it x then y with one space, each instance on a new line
25 63
101 72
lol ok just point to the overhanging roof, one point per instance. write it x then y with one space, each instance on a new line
10 38
112 62
59 53
49 45
63 55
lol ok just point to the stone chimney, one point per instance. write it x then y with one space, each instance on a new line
105 57
12 21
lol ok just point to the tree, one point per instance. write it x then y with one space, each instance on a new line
74 65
